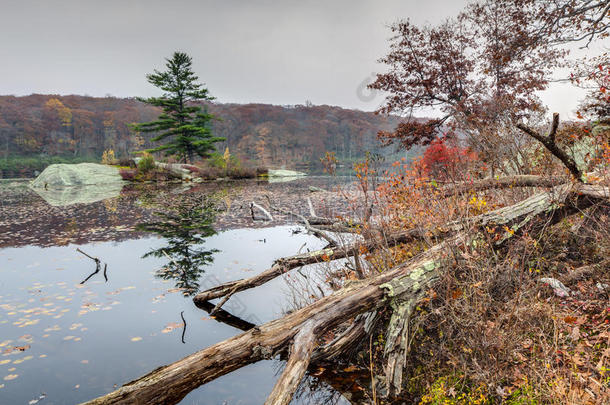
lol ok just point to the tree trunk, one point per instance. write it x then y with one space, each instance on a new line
403 284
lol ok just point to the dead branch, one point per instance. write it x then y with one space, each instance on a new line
261 209
518 215
97 266
316 232
169 384
298 361
503 182
583 272
404 283
312 212
549 143
286 264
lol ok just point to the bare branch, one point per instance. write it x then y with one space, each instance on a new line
549 143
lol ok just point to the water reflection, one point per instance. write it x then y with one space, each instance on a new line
185 229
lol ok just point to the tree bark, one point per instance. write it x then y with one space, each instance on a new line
524 180
404 283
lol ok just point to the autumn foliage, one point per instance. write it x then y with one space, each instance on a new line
444 161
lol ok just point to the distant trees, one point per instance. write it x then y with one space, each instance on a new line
28 127
183 126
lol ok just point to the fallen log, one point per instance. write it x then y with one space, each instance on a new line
284 265
169 384
499 183
518 215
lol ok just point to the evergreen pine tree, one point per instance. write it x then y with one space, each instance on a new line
183 126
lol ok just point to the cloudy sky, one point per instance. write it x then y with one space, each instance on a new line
278 52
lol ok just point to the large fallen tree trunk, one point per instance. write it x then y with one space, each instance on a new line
525 180
517 215
403 284
169 384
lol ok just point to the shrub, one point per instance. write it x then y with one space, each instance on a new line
241 173
127 162
108 157
146 164
128 174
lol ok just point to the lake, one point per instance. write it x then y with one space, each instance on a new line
69 334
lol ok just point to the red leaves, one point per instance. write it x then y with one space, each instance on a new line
443 161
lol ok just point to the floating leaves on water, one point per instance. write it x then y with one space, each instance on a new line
11 377
36 400
172 326
69 337
136 339
4 361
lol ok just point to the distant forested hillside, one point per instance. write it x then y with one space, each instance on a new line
50 127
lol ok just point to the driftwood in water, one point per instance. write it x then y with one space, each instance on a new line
98 263
261 209
169 384
518 215
298 332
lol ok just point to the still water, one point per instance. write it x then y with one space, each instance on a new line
64 340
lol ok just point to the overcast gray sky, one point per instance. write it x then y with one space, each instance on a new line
278 52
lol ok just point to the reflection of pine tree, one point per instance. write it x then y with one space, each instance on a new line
185 229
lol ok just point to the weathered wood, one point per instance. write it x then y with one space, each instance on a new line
284 265
314 231
261 209
500 183
516 215
397 343
312 212
169 384
300 356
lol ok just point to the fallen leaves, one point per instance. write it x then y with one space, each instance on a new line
172 326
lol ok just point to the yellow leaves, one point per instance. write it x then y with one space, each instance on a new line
11 377
63 112
108 157
136 339
477 204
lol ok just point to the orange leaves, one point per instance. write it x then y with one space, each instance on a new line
457 293
570 319
172 326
